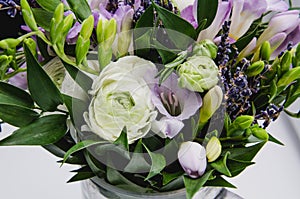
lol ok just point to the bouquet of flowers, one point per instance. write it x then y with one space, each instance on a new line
151 96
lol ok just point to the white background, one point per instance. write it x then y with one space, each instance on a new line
32 172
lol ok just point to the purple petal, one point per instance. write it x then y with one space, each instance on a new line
277 5
168 127
293 37
248 49
282 22
223 12
187 14
20 79
95 4
192 158
243 14
189 101
73 33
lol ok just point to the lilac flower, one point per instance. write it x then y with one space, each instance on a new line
192 158
175 104
244 12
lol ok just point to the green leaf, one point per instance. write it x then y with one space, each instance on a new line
237 166
42 17
244 153
17 115
122 140
293 95
288 78
169 177
137 163
10 94
207 9
273 139
142 33
42 89
80 8
146 20
97 169
84 81
166 53
221 165
219 182
192 185
245 40
49 5
76 108
174 26
158 163
105 149
273 90
80 146
116 178
82 174
59 152
175 184
45 130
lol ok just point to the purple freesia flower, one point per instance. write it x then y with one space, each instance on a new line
73 33
223 13
277 5
175 105
192 158
190 14
293 38
244 12
282 22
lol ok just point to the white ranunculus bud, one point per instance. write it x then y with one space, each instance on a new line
198 73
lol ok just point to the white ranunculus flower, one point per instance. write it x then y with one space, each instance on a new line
121 98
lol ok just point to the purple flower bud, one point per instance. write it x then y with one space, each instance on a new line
283 22
192 158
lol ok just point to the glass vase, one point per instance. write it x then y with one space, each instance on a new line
97 188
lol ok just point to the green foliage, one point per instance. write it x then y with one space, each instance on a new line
18 116
28 15
193 185
173 22
80 146
137 162
158 163
42 89
49 5
10 94
45 130
206 10
82 174
80 8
